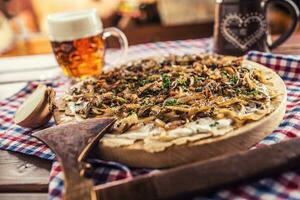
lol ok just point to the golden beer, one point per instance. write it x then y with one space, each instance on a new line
80 57
77 40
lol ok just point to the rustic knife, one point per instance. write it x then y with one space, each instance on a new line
71 143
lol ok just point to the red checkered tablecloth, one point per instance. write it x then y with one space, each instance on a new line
285 186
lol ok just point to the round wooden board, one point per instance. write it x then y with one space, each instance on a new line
240 139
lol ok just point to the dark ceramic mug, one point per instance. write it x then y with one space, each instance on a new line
241 25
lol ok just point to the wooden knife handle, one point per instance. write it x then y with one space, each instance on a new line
71 143
206 175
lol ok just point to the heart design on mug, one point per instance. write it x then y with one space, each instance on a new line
236 29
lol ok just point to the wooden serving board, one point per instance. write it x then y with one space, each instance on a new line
240 139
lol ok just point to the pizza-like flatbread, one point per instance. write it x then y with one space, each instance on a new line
174 100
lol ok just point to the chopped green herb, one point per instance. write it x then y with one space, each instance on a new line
214 124
238 90
199 78
234 79
131 112
171 102
185 88
225 73
142 82
166 81
253 92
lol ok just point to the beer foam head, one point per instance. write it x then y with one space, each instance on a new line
73 25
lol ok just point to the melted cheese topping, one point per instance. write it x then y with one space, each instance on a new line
155 139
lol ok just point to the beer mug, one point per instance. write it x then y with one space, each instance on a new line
241 26
78 42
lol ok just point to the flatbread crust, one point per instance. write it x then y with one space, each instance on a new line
239 139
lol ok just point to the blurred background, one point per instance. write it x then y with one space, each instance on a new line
23 31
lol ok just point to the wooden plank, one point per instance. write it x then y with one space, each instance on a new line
22 173
288 50
22 196
290 47
202 177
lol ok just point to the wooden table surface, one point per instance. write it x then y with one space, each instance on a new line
26 177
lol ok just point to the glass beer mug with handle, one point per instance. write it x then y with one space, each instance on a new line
78 42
